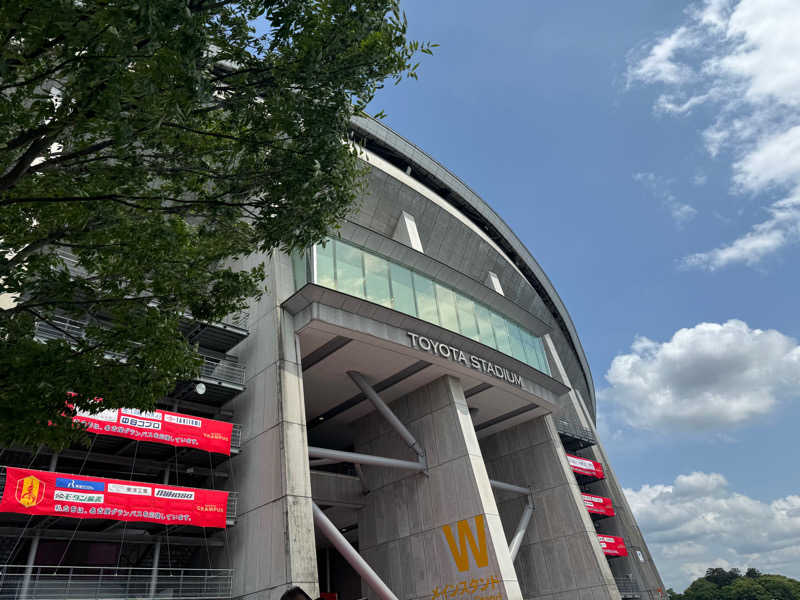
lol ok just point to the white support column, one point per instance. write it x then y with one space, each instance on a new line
335 537
519 534
364 459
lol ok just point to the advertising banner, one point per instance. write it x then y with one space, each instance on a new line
30 492
612 545
160 426
584 466
598 505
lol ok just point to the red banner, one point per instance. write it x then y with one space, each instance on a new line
32 492
612 545
161 427
584 466
598 505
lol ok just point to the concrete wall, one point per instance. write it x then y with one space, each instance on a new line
560 557
404 526
272 545
448 240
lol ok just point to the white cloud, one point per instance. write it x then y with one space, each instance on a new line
697 522
660 66
742 57
782 228
706 377
680 212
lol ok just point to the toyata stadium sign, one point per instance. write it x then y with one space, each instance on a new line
31 492
460 356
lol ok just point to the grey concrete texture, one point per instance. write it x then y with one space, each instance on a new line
403 527
560 555
451 242
272 546
458 192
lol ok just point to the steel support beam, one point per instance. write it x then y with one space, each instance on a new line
321 462
334 536
519 534
509 487
387 414
365 459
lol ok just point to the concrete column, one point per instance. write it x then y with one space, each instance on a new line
427 535
271 547
559 555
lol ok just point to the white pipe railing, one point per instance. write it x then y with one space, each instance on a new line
113 583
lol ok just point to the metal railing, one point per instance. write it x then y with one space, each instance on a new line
108 583
221 368
627 587
567 428
60 328
237 319
233 506
236 437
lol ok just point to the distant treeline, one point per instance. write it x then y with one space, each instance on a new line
719 584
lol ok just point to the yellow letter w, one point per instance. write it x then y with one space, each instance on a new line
460 553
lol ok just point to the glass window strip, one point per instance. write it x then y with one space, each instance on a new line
349 272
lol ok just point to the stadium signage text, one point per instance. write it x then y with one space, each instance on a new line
31 492
161 427
460 356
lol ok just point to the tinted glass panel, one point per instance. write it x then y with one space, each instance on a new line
402 290
466 317
325 271
501 334
349 270
426 299
447 308
377 280
485 331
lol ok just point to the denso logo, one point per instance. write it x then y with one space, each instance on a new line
80 484
173 494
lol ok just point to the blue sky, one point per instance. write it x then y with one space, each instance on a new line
648 154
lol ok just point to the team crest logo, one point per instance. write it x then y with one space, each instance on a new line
30 491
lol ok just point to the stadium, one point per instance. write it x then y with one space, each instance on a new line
407 414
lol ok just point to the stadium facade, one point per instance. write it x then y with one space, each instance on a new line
407 413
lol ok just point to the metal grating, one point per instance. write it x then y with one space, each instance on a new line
627 587
236 438
109 583
221 368
233 506
574 437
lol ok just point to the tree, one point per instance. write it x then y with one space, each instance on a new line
745 588
156 141
753 573
702 589
721 577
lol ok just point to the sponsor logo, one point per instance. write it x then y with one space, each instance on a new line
30 491
132 490
467 542
180 420
80 497
80 484
140 423
579 462
174 494
140 413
